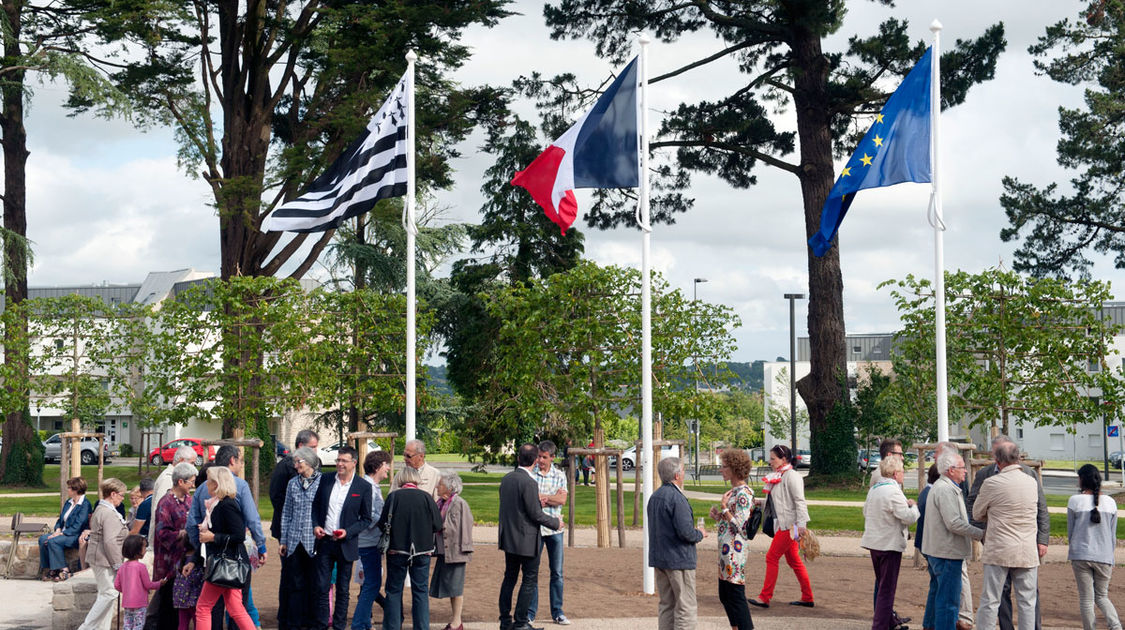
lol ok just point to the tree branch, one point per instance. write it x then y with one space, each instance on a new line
757 155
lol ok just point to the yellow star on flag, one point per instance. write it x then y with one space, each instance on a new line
846 172
878 141
878 118
866 159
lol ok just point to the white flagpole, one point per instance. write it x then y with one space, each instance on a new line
646 313
938 221
411 232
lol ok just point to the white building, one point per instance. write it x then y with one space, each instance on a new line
1083 440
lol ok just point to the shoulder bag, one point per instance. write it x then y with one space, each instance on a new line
385 541
769 517
228 569
751 525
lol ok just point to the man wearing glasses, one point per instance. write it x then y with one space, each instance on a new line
414 455
889 447
340 510
946 541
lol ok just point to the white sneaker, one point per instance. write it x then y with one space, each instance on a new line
562 620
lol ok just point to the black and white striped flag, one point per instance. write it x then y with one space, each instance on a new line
374 167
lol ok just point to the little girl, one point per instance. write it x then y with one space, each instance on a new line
133 582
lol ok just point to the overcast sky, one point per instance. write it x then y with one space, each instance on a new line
108 203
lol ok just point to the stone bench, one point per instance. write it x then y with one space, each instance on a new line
72 599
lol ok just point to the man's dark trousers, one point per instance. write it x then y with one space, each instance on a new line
329 555
514 565
1004 615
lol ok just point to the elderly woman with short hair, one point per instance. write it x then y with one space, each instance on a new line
297 603
103 552
410 519
454 547
887 514
73 517
170 539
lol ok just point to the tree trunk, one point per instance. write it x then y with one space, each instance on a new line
21 460
821 389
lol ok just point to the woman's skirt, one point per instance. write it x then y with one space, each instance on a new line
448 580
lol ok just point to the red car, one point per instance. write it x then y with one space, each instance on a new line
164 454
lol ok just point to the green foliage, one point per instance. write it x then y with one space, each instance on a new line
1058 228
1016 346
126 450
734 417
878 415
566 357
833 449
24 463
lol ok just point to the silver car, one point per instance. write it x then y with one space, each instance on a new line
52 450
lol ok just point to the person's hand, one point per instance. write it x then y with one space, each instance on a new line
911 503
261 559
339 534
205 536
84 536
716 513
281 550
319 532
188 568
701 531
181 535
359 574
725 501
801 532
1042 550
542 500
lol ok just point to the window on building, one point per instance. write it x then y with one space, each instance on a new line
1019 434
857 349
58 344
1093 365
1058 441
1095 440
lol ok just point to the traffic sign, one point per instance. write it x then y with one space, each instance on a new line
1113 431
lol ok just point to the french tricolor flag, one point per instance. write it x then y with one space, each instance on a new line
599 151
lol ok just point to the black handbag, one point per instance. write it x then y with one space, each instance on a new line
227 569
385 541
751 525
769 517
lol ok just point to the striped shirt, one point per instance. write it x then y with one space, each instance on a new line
550 483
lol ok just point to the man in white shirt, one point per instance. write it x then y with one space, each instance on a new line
552 495
414 455
341 511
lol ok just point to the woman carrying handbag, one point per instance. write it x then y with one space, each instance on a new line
786 522
227 568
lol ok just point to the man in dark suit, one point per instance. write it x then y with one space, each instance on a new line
340 511
520 517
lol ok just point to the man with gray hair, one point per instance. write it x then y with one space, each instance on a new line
1042 531
965 615
414 456
1007 501
672 537
947 542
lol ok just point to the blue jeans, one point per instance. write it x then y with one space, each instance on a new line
397 566
944 598
372 562
554 544
52 550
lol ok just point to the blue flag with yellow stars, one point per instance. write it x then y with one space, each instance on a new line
895 149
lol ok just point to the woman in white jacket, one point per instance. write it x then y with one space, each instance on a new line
886 515
785 491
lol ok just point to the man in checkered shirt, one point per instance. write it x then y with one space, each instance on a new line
552 495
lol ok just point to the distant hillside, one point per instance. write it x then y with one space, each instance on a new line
437 381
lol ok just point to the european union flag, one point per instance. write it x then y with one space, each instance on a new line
896 149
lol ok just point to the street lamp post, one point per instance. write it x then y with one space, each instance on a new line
792 297
695 360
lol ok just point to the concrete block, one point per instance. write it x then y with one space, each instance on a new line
62 602
85 585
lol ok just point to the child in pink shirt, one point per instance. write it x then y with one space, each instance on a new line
133 582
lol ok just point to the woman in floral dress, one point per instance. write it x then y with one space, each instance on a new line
734 510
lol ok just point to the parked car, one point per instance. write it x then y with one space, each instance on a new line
1117 459
52 450
165 454
327 454
281 451
803 458
868 460
629 457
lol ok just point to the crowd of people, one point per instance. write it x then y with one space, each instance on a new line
206 539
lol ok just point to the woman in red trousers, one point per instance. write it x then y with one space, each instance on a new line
785 489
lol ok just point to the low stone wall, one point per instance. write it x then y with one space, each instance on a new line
26 563
72 599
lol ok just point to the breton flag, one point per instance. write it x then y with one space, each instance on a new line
372 168
599 151
896 149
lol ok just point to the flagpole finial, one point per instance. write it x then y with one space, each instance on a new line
644 39
411 56
935 26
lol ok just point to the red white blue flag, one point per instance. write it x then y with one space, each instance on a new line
599 151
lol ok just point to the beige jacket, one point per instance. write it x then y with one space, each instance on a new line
789 501
948 533
1009 501
107 534
430 478
886 515
456 539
